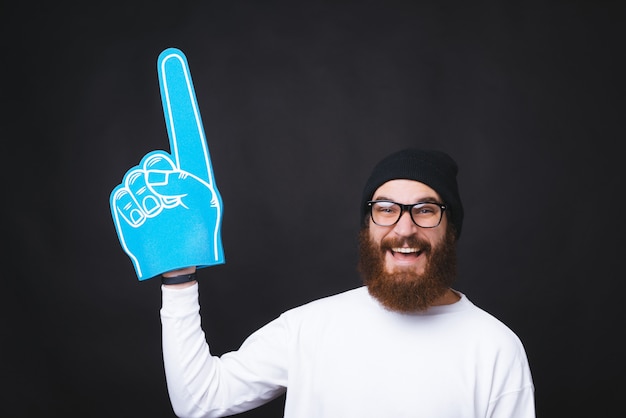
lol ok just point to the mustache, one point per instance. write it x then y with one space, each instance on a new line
411 241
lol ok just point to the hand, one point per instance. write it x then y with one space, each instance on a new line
167 211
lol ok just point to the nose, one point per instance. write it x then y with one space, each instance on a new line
405 225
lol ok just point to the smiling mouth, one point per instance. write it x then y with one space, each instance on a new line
406 251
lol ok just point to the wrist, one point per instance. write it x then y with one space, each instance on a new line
171 278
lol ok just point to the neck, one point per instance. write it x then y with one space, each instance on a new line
448 298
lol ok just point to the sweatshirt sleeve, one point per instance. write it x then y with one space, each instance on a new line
203 385
518 404
514 396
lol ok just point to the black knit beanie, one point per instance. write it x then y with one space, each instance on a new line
436 169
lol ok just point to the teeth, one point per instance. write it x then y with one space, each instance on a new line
405 250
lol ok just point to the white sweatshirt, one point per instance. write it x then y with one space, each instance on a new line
346 356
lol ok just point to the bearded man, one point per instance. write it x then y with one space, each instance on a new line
404 345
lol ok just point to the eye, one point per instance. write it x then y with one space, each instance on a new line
386 208
425 209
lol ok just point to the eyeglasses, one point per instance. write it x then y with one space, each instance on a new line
423 214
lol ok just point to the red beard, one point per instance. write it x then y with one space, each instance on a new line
405 290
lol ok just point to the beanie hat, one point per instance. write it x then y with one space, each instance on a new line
436 169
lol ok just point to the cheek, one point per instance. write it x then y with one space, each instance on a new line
376 235
438 237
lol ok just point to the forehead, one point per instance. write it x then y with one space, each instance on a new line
405 191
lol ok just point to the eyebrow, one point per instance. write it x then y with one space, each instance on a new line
426 199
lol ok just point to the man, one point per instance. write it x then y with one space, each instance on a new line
404 345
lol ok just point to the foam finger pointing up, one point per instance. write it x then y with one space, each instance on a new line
182 116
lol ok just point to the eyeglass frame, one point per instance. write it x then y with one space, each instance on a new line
406 208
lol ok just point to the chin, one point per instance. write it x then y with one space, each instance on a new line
394 268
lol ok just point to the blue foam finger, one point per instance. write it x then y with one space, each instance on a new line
167 211
182 115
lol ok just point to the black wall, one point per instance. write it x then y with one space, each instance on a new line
299 100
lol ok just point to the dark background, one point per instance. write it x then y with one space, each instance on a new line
299 100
